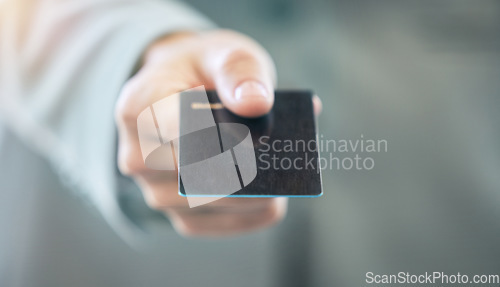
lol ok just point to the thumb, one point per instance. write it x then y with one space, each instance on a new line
244 79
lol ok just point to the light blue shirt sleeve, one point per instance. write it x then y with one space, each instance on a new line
62 65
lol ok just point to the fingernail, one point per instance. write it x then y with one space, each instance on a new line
250 89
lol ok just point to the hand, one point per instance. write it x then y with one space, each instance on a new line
244 76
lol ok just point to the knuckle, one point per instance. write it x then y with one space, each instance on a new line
239 60
158 198
187 230
154 203
130 165
127 109
122 113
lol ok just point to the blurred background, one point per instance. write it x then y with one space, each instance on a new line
423 75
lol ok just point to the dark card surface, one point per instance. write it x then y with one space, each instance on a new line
284 146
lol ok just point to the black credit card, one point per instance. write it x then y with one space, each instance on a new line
275 155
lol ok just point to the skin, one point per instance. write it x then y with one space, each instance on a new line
244 76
